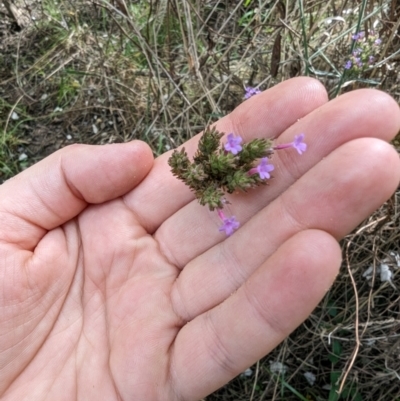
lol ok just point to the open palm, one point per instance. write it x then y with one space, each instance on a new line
117 285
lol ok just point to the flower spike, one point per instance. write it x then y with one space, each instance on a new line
218 169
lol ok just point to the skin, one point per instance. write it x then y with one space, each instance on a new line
117 285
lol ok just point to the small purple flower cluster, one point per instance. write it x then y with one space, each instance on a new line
364 54
249 92
263 169
233 144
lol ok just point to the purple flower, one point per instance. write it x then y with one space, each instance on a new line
263 169
358 35
233 144
230 224
249 92
348 65
298 144
358 61
371 59
378 42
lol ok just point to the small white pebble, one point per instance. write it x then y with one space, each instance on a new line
247 373
278 367
330 19
22 156
95 129
383 270
58 109
14 116
310 377
396 257
69 137
386 273
44 96
368 273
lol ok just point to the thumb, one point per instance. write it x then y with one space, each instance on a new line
59 187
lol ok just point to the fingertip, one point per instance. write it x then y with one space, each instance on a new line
375 109
141 147
323 250
309 256
139 157
274 110
312 89
100 173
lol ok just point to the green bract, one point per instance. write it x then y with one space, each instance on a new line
214 171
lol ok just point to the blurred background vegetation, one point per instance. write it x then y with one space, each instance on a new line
81 71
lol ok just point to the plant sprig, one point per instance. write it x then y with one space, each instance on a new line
215 171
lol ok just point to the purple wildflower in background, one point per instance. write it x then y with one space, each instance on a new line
364 56
348 65
233 144
361 35
263 169
230 224
358 61
249 92
297 144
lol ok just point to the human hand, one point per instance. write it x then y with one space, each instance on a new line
117 285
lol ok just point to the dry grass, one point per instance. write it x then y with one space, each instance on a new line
100 72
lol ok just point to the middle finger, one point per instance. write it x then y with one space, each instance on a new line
194 229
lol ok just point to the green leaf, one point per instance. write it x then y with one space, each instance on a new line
333 394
